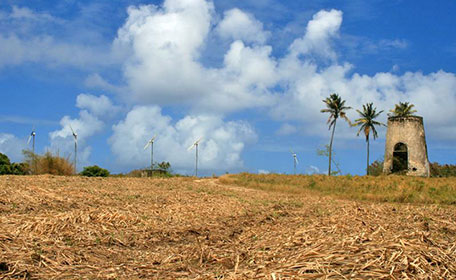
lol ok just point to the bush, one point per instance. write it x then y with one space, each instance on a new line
376 168
4 160
94 171
6 167
447 170
49 163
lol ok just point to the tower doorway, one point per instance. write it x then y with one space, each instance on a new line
400 158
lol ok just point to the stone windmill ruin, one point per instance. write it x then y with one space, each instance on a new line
405 148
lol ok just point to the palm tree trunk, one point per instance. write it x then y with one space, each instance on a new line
367 166
330 148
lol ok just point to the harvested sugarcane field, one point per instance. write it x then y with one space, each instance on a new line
232 227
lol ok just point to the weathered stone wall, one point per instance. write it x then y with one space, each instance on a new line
410 131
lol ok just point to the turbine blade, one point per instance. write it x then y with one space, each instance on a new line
30 138
296 158
72 131
198 141
153 138
147 145
189 148
75 135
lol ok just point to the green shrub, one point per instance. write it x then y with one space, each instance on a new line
6 167
94 171
376 168
444 170
4 160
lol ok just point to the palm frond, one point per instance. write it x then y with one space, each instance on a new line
336 108
367 120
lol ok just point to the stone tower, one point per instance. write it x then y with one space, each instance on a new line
405 148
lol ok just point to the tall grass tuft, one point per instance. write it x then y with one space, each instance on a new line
49 163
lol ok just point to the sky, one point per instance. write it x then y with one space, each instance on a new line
248 76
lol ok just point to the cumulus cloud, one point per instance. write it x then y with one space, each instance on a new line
12 146
85 126
220 149
163 68
162 46
101 106
323 27
238 25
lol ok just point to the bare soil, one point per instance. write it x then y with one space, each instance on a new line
183 228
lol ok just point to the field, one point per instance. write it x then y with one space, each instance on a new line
233 227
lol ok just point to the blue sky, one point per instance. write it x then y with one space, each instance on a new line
247 76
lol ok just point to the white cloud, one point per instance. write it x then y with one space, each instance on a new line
262 171
393 44
221 148
432 94
28 36
163 68
24 13
286 129
15 50
98 82
238 25
12 146
100 106
311 169
163 48
87 125
323 27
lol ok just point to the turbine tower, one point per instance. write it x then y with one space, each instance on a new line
32 136
151 144
196 154
295 161
75 136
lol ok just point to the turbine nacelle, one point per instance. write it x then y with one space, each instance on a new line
195 144
295 157
75 135
150 142
32 134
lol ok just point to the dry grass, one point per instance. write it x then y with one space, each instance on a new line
182 228
49 163
381 189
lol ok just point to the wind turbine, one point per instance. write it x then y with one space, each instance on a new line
75 136
196 153
151 144
32 135
295 160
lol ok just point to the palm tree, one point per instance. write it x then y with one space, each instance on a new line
403 109
367 124
336 108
